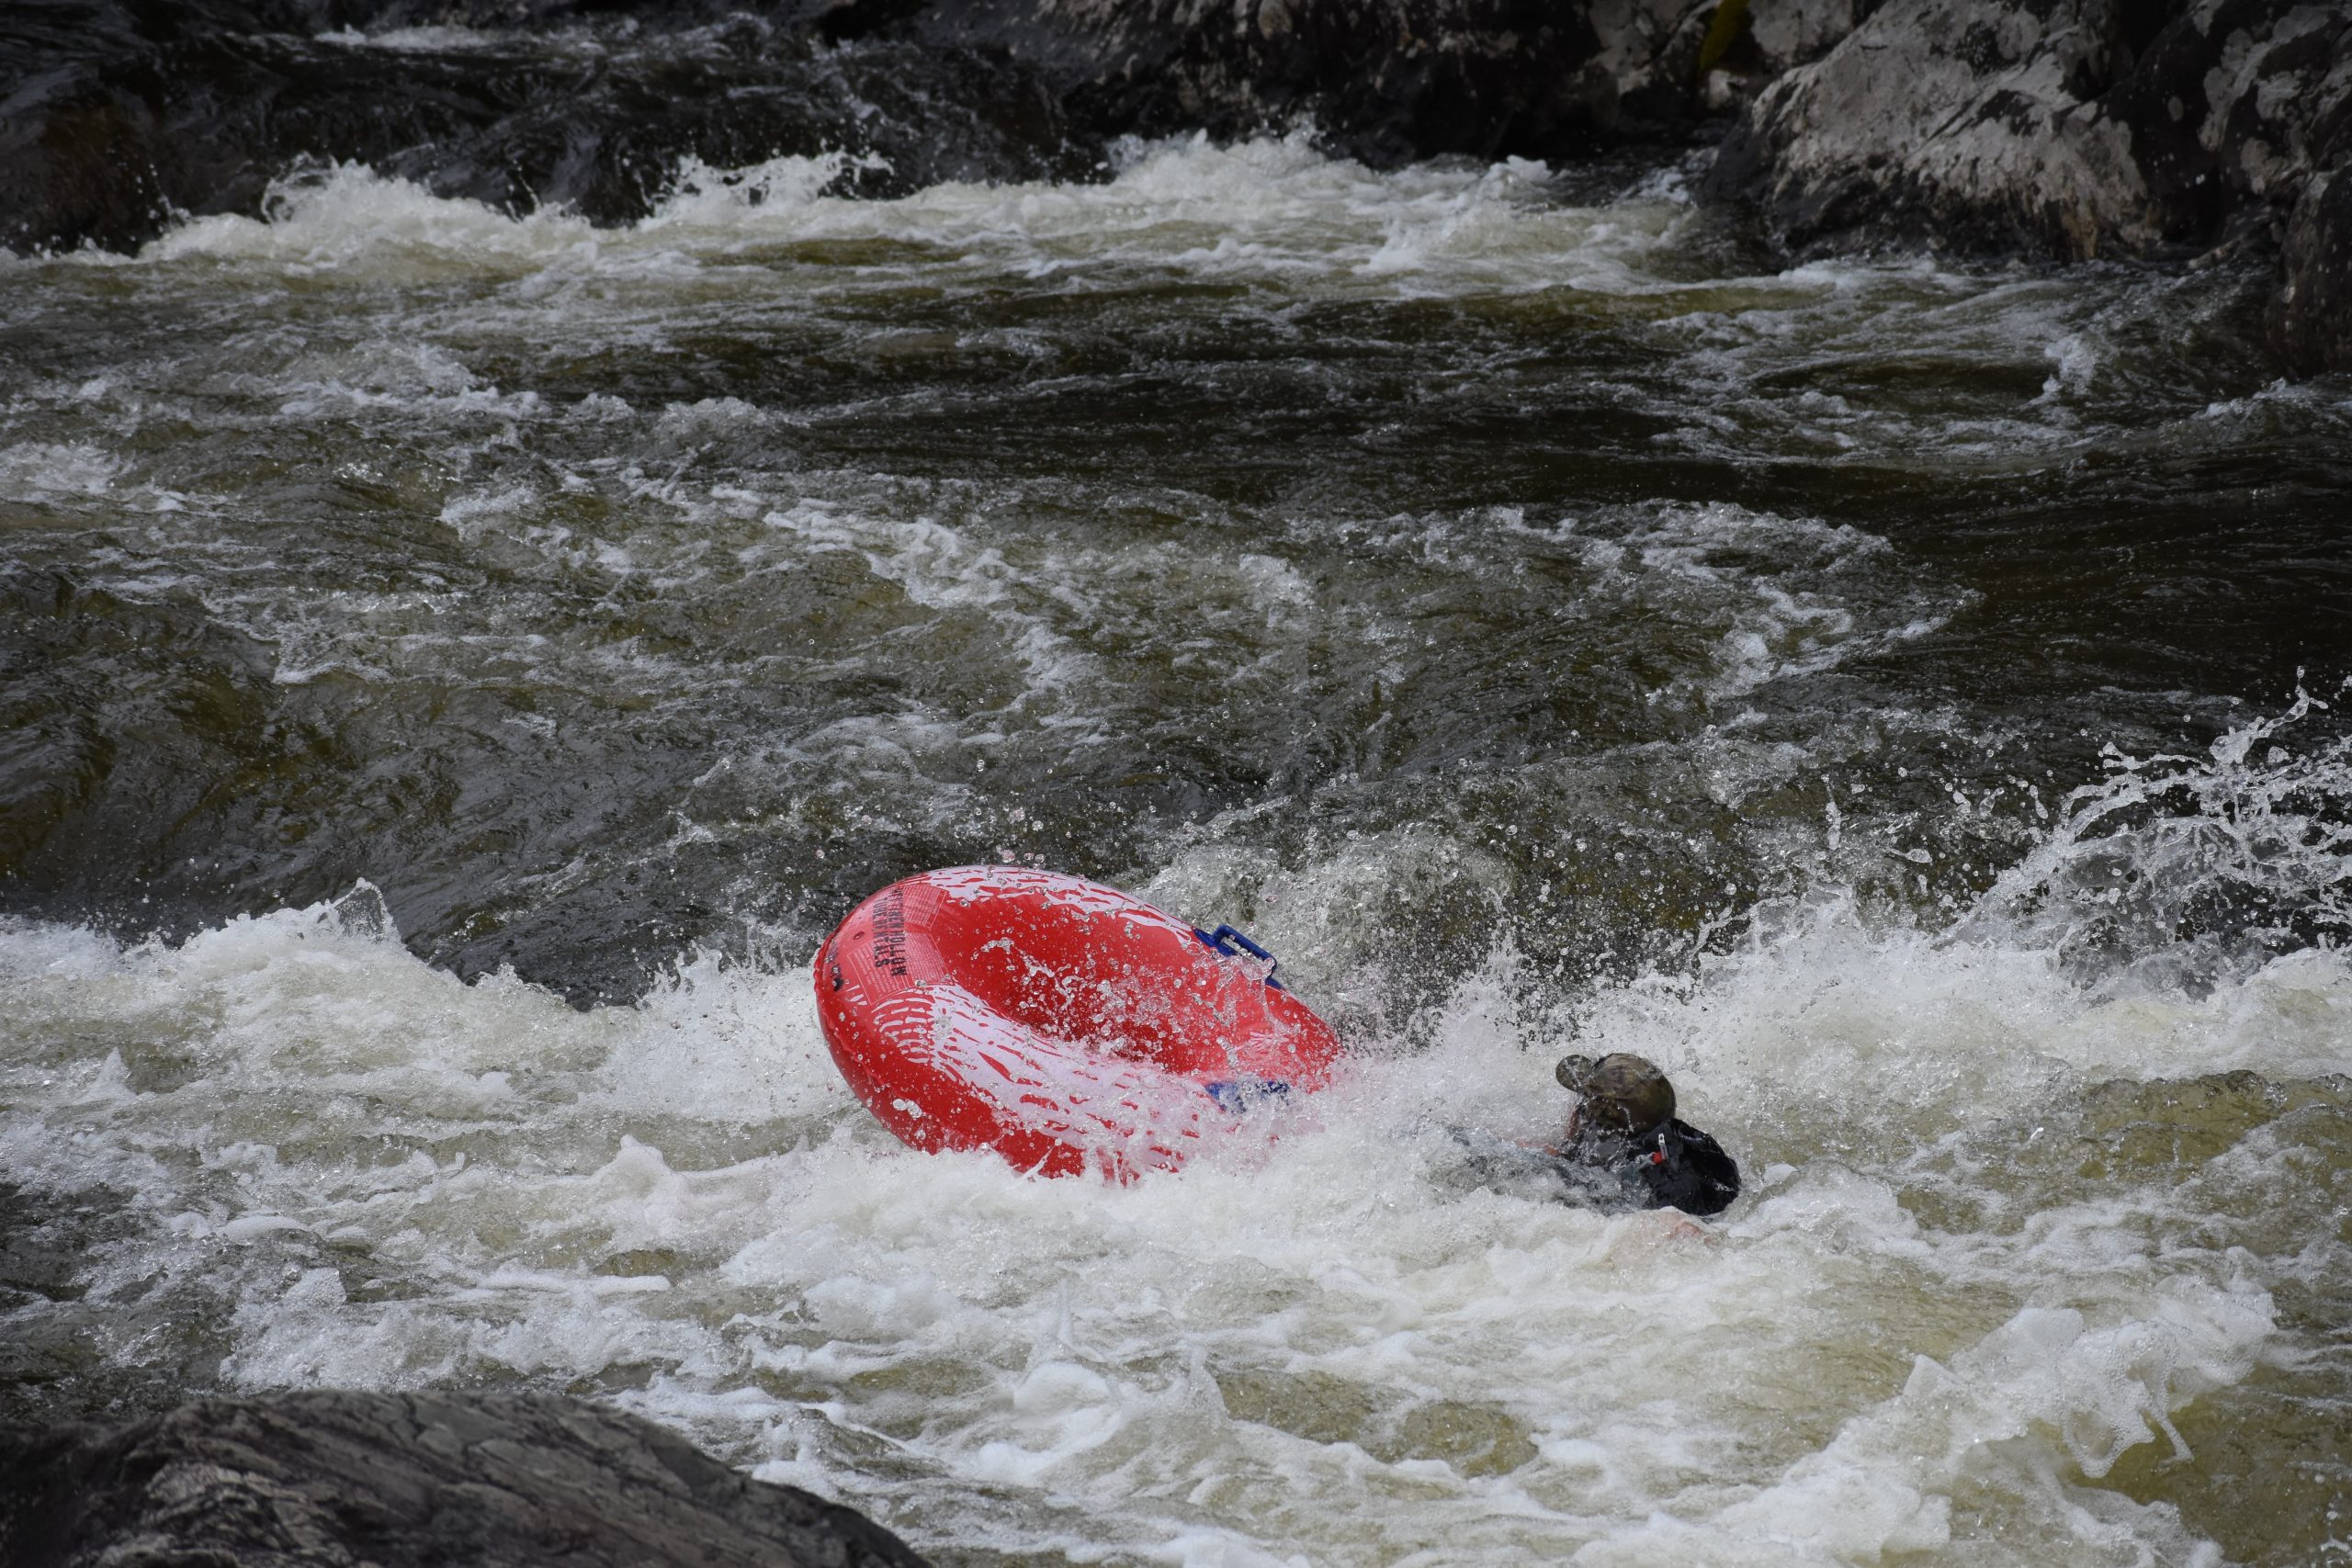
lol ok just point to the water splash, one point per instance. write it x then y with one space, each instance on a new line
2178 872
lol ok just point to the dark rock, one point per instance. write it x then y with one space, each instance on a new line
2071 129
1382 80
2064 127
1952 120
2311 320
342 1478
1787 33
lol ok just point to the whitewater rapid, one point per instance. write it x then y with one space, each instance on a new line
460 664
1928 1322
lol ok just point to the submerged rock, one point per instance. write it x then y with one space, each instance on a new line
339 1478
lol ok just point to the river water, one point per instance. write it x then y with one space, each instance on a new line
457 666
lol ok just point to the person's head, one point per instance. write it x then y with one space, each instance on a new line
1620 1093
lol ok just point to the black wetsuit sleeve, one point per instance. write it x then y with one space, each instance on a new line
1700 1177
1611 1172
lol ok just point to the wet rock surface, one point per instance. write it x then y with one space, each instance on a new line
2073 129
1944 118
2079 126
334 1477
2311 320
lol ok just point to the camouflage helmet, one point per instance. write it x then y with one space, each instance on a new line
1621 1092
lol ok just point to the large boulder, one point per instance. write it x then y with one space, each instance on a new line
2076 127
1958 120
339 1478
2069 129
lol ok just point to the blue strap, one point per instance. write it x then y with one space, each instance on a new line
1236 1097
1218 939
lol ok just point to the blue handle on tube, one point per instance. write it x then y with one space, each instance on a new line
1219 940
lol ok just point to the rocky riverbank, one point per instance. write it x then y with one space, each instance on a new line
333 1478
2060 128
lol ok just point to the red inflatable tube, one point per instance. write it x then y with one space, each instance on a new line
1064 1024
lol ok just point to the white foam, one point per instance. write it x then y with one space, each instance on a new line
1073 1341
348 219
40 469
1271 210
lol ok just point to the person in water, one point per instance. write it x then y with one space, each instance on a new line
1623 1148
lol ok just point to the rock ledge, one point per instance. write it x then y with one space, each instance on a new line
345 1479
